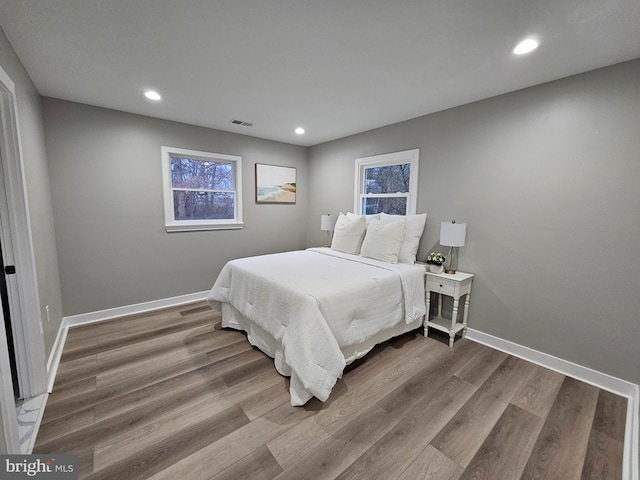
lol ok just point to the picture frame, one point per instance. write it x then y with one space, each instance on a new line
275 184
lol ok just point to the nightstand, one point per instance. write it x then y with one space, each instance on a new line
455 285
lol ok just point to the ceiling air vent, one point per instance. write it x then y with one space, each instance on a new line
240 122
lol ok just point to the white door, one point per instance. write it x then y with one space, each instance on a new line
22 288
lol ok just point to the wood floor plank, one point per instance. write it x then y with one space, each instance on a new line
156 345
248 371
120 339
135 379
389 456
431 464
204 379
561 447
75 370
81 331
85 462
239 345
242 442
429 378
266 400
127 384
194 309
50 431
606 442
258 465
70 389
481 366
151 366
398 348
539 391
461 438
328 459
150 431
170 394
153 327
153 347
75 342
385 374
171 449
145 320
610 415
505 452
121 397
345 402
126 420
603 458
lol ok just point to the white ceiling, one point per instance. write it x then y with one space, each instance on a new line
335 67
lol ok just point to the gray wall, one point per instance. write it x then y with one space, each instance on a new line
105 171
37 190
547 181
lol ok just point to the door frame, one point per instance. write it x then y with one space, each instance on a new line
17 246
10 438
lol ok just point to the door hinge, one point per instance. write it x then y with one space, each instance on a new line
10 270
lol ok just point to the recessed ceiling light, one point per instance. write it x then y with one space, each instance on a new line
151 95
299 130
525 46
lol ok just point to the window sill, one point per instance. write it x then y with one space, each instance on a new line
197 228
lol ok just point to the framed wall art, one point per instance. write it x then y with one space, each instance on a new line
275 184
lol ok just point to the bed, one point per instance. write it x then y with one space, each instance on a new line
315 311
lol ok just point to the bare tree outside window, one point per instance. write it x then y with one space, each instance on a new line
387 183
392 206
380 183
202 190
388 179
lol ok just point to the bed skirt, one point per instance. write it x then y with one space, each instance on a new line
259 338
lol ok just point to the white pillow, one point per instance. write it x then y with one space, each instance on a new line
383 242
412 234
348 233
367 218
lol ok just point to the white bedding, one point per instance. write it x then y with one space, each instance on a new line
305 308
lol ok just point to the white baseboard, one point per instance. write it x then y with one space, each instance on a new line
615 385
111 313
56 353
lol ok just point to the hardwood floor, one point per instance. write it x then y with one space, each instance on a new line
172 395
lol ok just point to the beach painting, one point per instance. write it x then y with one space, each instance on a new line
275 184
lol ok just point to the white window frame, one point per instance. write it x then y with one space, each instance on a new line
173 225
412 157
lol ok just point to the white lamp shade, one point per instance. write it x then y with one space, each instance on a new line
328 222
452 234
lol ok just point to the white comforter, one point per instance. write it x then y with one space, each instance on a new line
314 302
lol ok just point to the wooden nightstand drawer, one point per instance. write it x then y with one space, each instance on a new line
440 285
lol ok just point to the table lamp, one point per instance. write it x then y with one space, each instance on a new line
452 235
328 224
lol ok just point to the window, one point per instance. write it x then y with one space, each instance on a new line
202 190
387 183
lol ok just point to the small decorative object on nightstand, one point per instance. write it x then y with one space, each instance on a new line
435 262
453 285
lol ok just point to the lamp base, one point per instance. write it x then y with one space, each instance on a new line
452 261
328 239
